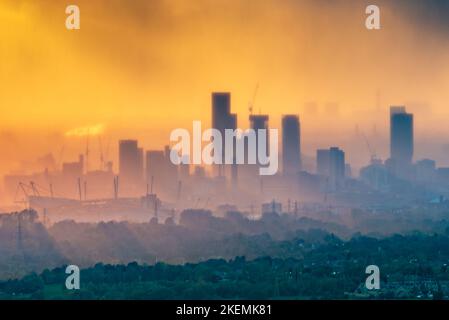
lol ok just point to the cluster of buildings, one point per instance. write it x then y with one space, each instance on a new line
400 169
149 172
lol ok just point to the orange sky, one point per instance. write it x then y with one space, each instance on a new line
138 69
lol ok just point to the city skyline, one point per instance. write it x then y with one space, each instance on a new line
255 121
400 146
224 150
300 57
137 166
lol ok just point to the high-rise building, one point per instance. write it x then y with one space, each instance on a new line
331 164
401 136
221 109
172 169
322 162
155 165
130 164
249 176
291 144
222 119
140 165
336 167
234 170
260 122
73 169
161 173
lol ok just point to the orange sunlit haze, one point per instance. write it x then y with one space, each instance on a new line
139 69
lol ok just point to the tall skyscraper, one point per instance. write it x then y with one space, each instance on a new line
160 170
322 162
331 164
130 164
258 122
140 164
234 171
336 167
291 144
401 136
222 119
172 169
221 110
155 165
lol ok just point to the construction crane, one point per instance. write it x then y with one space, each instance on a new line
33 187
371 151
253 100
24 200
22 186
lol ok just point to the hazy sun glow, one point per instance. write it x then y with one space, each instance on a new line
86 131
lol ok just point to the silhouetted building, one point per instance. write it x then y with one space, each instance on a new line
401 136
250 178
234 170
336 167
375 175
172 169
155 165
223 119
160 170
331 164
130 164
322 162
259 122
71 172
73 169
291 144
221 109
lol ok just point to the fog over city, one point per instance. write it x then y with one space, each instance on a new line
124 150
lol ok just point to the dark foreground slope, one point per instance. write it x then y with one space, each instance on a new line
411 267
